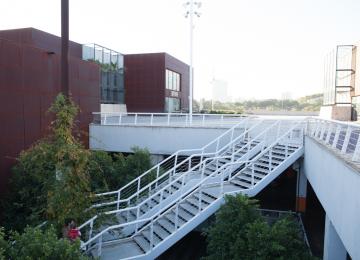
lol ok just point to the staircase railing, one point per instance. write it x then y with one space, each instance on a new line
224 171
340 136
258 140
171 162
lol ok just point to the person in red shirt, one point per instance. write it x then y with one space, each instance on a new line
73 232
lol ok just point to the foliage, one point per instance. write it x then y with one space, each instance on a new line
3 244
229 226
36 244
50 181
109 173
239 232
307 103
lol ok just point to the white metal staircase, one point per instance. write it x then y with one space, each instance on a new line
154 216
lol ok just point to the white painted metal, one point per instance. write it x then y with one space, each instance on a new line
340 136
154 234
166 119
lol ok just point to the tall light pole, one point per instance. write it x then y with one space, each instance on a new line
192 8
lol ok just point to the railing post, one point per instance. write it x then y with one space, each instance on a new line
120 119
168 119
252 174
99 246
176 215
222 183
336 137
91 229
138 188
105 117
346 140
200 193
151 234
151 119
222 120
357 150
327 140
203 120
118 200
135 120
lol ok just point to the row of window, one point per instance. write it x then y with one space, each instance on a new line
172 80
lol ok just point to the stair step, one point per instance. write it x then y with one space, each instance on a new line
247 178
171 217
206 198
156 239
256 174
160 231
240 183
142 243
190 208
195 202
166 224
186 216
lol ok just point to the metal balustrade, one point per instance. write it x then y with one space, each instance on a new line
287 139
172 176
167 119
172 162
340 136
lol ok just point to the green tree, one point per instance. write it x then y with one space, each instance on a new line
229 226
239 232
51 181
34 244
3 244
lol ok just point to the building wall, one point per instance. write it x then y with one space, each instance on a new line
145 81
336 185
180 67
29 82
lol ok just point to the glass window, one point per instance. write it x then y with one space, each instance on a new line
172 80
172 104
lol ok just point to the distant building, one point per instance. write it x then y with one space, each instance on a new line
220 90
156 82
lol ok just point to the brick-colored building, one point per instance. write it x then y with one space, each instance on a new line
156 82
29 82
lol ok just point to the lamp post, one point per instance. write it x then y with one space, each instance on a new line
192 8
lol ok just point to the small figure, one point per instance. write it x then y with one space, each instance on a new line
73 232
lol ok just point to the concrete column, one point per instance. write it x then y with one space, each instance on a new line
301 187
333 247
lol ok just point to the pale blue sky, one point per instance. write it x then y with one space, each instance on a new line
262 48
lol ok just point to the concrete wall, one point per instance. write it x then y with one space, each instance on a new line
337 186
159 140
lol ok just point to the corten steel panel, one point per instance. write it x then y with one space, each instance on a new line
29 82
40 39
182 68
145 81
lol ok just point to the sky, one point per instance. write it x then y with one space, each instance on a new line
261 48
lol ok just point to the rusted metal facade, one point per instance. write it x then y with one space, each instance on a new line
29 81
145 81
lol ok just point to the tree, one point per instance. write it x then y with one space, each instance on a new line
51 181
239 232
36 244
229 226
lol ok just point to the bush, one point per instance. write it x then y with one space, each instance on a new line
239 232
36 244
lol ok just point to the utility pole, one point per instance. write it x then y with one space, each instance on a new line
65 47
191 11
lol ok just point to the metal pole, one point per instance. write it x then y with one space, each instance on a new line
65 47
191 59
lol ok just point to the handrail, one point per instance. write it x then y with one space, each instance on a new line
201 167
156 167
188 160
187 194
344 137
